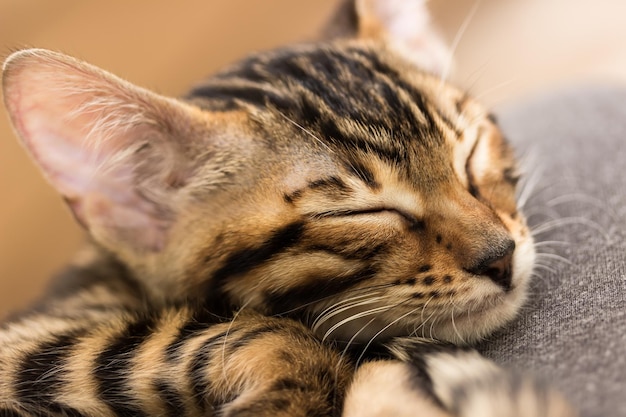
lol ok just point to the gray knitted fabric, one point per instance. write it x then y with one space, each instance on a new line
573 330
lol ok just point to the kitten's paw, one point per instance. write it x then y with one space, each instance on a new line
469 385
466 384
389 389
434 380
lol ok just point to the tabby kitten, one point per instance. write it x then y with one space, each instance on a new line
307 233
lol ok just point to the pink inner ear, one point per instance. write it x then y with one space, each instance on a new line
407 27
67 164
403 19
82 128
45 114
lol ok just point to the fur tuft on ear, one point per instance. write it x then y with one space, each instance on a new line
403 24
116 152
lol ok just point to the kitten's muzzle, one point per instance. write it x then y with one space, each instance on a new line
496 264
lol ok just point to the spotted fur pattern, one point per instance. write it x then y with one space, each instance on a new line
313 231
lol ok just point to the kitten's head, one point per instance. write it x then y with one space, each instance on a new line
337 181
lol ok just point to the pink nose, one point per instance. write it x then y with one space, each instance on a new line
497 264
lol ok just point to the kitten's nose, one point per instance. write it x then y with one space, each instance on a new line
497 264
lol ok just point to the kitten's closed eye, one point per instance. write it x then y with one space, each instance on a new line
370 211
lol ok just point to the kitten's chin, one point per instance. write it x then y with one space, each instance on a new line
472 326
461 327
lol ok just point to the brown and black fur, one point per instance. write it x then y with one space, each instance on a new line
293 237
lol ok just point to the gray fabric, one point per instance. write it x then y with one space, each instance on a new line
573 330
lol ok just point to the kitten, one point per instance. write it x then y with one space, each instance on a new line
337 193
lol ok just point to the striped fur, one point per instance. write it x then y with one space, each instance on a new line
174 361
75 358
310 232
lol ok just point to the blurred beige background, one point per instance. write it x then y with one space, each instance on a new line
511 48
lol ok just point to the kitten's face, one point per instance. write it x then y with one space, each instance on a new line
379 204
336 182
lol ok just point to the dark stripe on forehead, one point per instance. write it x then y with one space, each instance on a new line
332 185
256 95
332 182
360 139
358 91
353 100
449 123
384 68
293 196
363 173
350 83
252 68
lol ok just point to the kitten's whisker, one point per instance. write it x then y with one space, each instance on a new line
345 350
323 319
544 267
344 305
424 308
566 221
554 257
584 198
577 198
549 243
347 300
528 186
495 88
305 130
422 324
458 334
456 41
230 326
339 304
477 74
547 188
358 361
431 329
354 290
428 318
355 317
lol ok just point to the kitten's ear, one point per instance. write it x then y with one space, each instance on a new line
116 152
404 24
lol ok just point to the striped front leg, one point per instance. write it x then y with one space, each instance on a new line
178 362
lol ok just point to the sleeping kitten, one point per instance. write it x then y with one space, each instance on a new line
330 194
